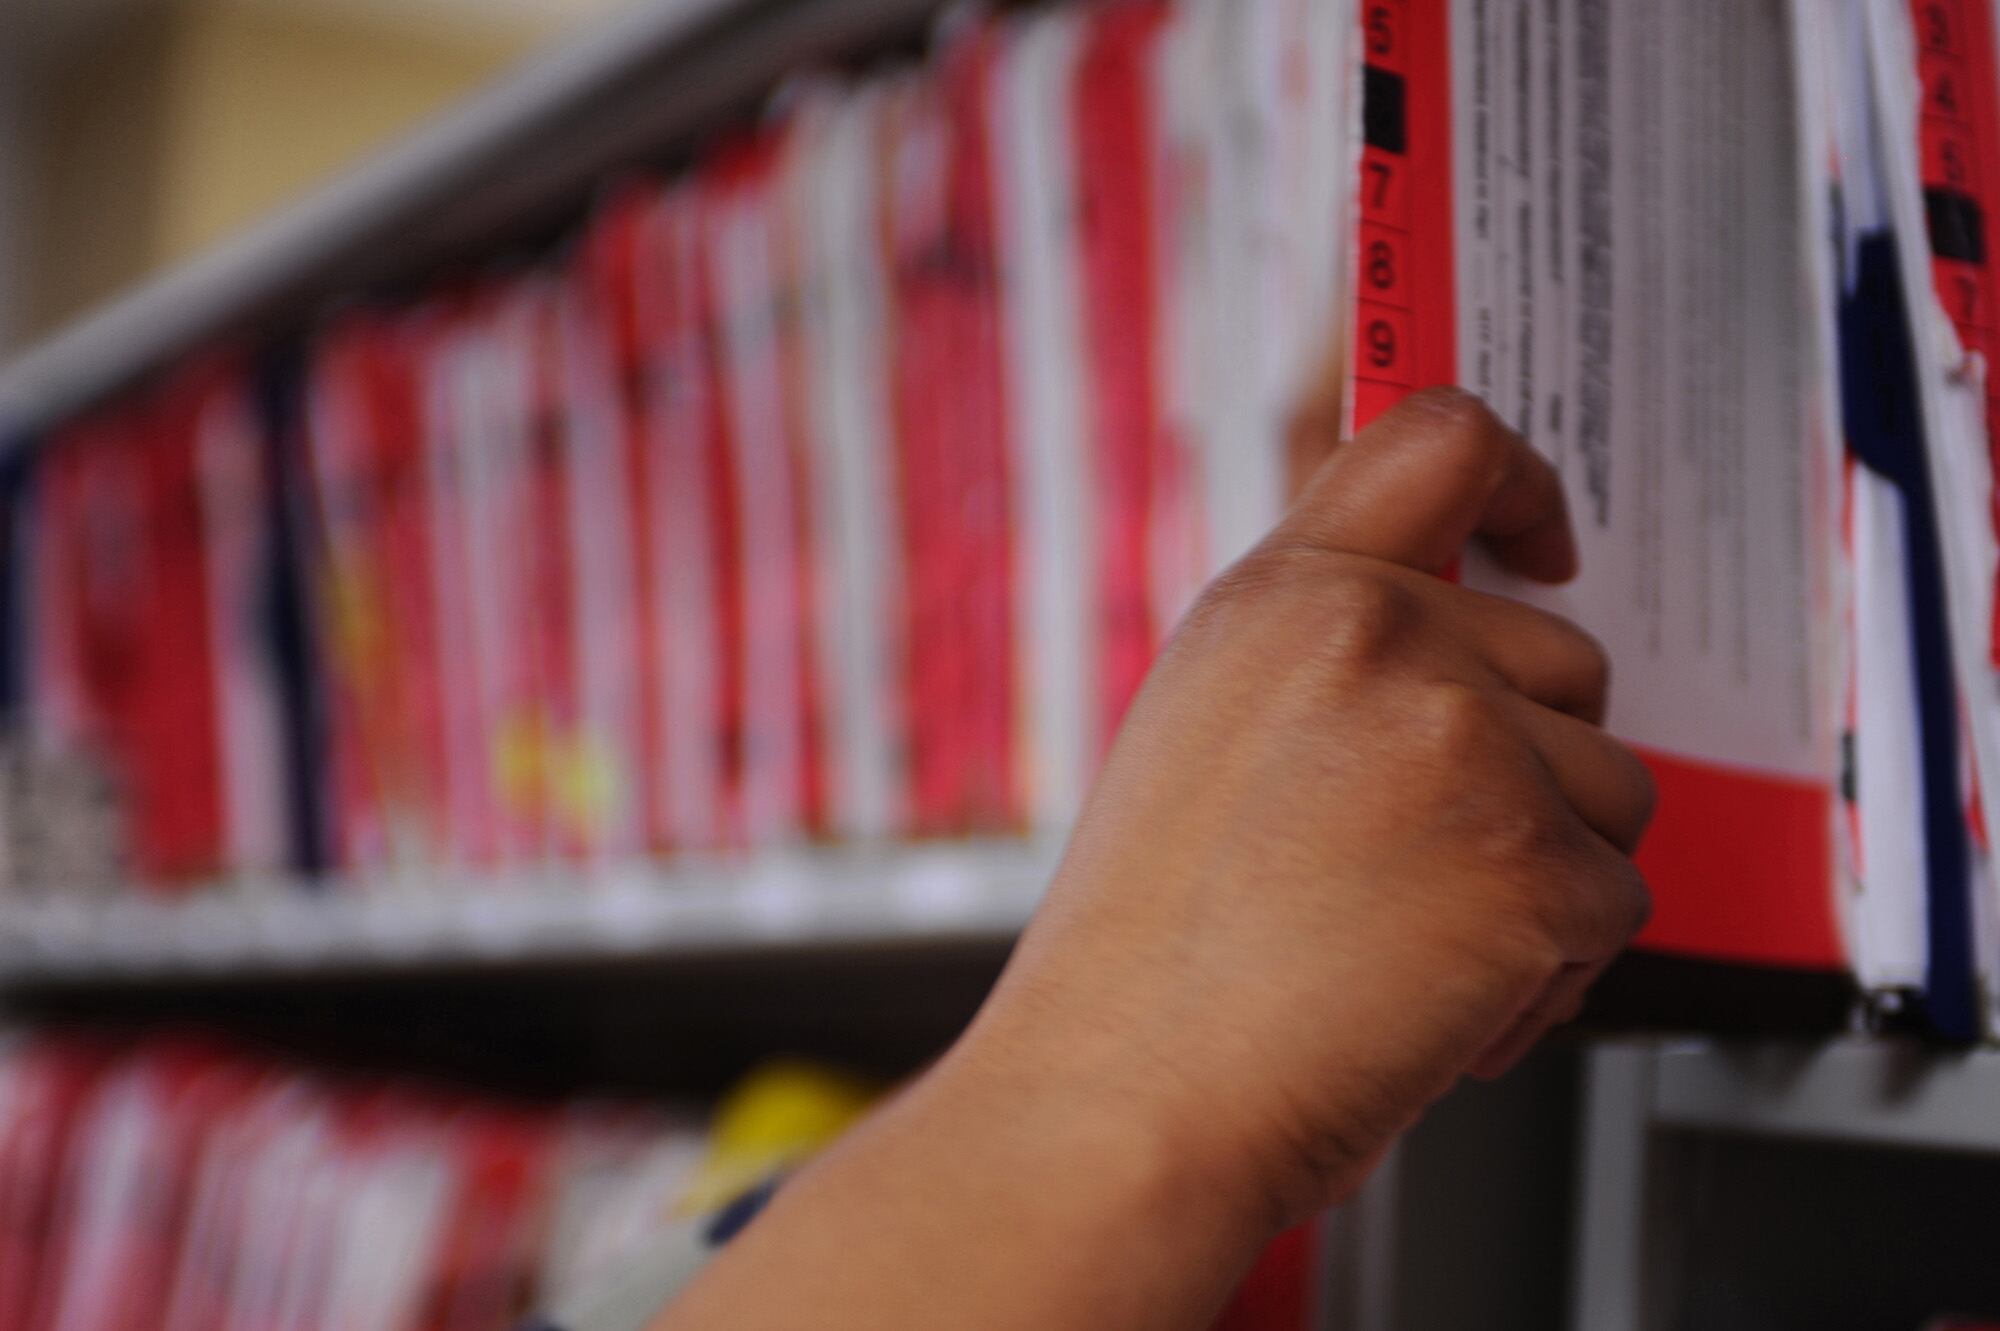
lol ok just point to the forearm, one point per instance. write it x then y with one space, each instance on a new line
992 1195
1360 833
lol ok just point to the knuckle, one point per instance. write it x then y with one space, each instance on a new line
1612 904
1463 429
1576 663
1453 721
1629 793
1359 614
1270 566
1461 436
1244 609
1217 609
1352 611
1638 902
1536 854
1595 905
1523 933
1593 660
1534 846
1645 792
1447 404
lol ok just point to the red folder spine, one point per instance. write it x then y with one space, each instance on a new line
752 261
993 790
464 721
129 674
948 405
1959 131
175 761
561 780
805 454
608 273
1115 154
500 1166
692 581
724 525
1741 863
415 737
376 596
1404 320
920 270
50 1084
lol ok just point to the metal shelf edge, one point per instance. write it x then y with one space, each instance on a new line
765 903
1879 1092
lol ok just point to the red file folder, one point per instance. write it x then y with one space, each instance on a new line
1739 858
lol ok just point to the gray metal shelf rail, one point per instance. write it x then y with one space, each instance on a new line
1641 1096
769 902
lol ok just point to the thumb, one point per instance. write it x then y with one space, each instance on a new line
1428 475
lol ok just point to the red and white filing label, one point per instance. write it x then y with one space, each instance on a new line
1958 131
1588 214
1404 332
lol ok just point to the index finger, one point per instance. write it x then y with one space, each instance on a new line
1428 475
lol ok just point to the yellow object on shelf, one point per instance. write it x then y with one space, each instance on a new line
775 1118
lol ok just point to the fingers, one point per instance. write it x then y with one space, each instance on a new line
1602 903
1603 780
1540 655
1557 1005
1427 476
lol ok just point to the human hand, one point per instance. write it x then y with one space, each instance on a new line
1361 832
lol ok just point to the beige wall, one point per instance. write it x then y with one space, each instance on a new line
186 121
268 103
91 187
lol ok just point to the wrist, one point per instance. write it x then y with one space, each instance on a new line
1011 1191
1133 1148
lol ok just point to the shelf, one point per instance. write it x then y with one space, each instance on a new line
1676 1225
506 165
1878 1092
964 892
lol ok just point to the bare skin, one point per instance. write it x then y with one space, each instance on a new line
1361 835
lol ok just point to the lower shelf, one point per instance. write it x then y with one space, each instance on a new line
1736 1187
1880 1092
789 900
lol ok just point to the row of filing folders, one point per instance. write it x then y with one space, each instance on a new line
840 487
174 1183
